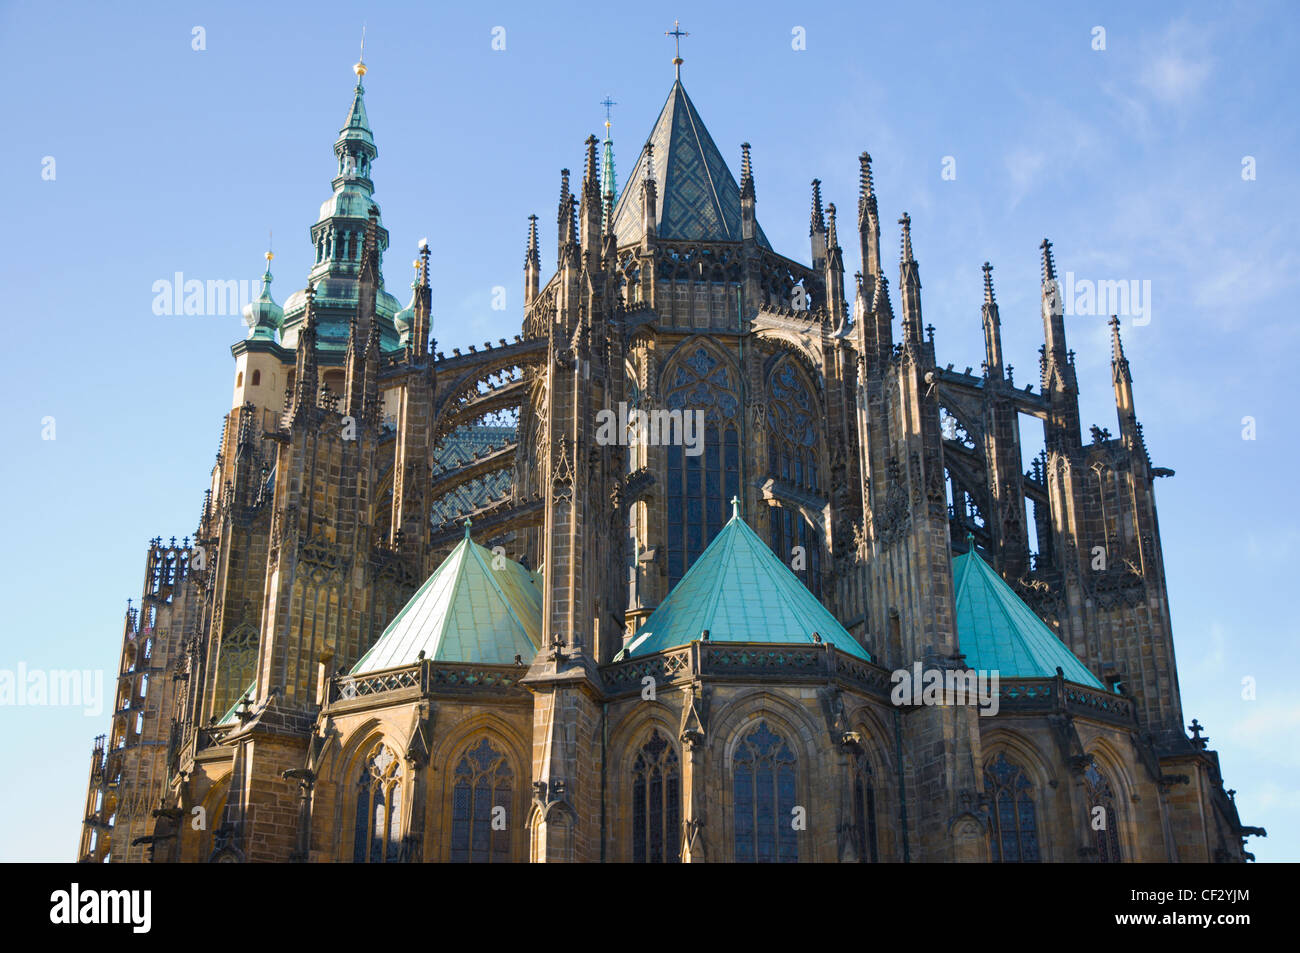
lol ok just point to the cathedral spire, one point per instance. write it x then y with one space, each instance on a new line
909 283
868 222
817 227
591 214
566 218
818 223
1123 380
608 184
1059 383
304 395
834 271
532 263
748 223
992 328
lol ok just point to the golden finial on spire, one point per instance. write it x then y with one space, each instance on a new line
360 67
269 255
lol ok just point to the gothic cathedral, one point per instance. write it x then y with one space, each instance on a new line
640 585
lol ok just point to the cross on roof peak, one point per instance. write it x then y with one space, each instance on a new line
677 33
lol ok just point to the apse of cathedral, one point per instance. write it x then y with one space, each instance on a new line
715 561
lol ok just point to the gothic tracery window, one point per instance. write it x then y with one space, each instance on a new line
480 806
1014 831
797 545
377 838
1102 819
792 461
763 788
864 809
700 484
656 803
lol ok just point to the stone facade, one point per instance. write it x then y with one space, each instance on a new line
239 733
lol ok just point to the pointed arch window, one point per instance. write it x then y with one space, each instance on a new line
1014 830
791 530
700 484
656 803
792 459
792 425
864 809
1104 822
480 806
763 787
377 838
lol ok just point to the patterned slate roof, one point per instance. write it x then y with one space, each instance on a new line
998 632
459 447
699 199
467 611
740 592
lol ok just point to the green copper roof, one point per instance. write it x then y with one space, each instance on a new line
699 199
358 123
998 632
467 611
264 316
740 592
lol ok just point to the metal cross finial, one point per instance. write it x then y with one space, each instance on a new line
735 506
677 33
607 103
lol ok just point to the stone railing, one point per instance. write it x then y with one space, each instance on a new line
749 661
425 677
1056 694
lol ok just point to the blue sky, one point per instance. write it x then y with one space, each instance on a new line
170 159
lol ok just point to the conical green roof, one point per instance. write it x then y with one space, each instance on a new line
740 592
467 611
699 199
998 632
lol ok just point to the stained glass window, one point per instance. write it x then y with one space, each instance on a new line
790 529
700 484
792 460
763 788
377 834
864 809
1014 831
480 806
656 803
1100 796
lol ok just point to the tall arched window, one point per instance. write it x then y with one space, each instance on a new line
791 530
700 484
377 837
763 786
792 461
1014 831
864 809
1102 819
480 806
656 803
